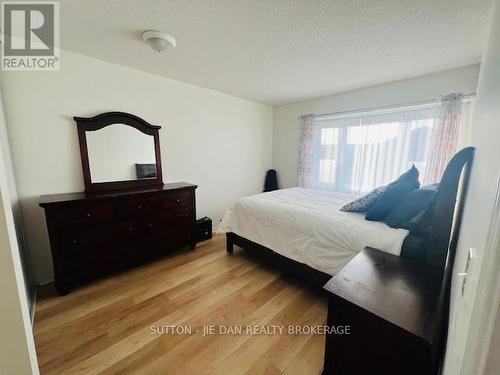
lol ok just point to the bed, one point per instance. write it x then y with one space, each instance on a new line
303 232
306 226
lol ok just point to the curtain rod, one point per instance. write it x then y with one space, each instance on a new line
466 98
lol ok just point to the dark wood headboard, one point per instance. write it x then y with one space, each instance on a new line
448 209
442 243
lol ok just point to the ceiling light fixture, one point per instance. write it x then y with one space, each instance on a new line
158 41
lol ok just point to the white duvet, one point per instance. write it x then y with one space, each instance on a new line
306 226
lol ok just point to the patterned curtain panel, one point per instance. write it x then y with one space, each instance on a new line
445 134
305 165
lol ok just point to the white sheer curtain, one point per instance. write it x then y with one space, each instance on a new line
356 154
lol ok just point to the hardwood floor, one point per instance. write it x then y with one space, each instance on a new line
105 327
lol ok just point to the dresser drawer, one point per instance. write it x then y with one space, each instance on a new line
178 199
94 259
165 240
100 234
164 222
84 214
136 207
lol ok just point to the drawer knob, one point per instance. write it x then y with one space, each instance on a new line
88 214
139 206
177 201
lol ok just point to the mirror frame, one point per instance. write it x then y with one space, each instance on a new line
85 124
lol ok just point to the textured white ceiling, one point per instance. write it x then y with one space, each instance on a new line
280 51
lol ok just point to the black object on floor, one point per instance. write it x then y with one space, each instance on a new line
203 229
271 181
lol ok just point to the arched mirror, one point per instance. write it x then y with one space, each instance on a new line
119 150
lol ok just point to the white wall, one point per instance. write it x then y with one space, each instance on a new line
5 154
493 359
480 312
286 124
17 349
220 142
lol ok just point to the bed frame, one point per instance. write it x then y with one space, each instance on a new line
441 244
300 270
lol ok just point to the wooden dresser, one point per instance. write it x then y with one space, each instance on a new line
393 307
94 233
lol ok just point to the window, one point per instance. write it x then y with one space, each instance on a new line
355 154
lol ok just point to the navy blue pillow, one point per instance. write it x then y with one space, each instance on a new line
393 195
421 224
412 210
